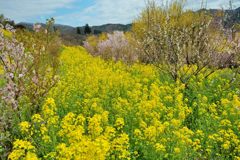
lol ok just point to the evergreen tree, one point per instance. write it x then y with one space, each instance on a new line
87 29
78 30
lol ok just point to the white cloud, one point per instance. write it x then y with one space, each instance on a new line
124 11
22 10
100 12
105 11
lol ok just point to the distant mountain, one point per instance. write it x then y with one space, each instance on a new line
107 28
70 35
75 35
230 18
65 29
112 27
236 15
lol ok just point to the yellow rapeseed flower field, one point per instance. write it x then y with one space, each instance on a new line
106 110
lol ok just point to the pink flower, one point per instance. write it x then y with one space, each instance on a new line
11 75
20 75
37 27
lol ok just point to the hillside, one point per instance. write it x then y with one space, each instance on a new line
65 29
230 17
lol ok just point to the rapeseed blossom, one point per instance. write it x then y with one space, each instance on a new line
107 110
24 127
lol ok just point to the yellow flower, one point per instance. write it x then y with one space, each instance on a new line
236 101
50 101
24 127
31 156
150 133
36 118
204 99
16 154
137 132
175 122
94 126
225 102
196 144
50 155
236 158
168 98
226 145
159 147
226 123
119 123
80 120
22 149
46 139
200 133
110 132
121 145
177 150
208 150
43 129
63 152
105 115
49 108
20 144
97 99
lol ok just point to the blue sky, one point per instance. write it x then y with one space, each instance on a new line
80 12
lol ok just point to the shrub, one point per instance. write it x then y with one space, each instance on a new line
29 64
44 45
116 46
171 38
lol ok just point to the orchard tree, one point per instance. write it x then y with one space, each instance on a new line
171 38
4 21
